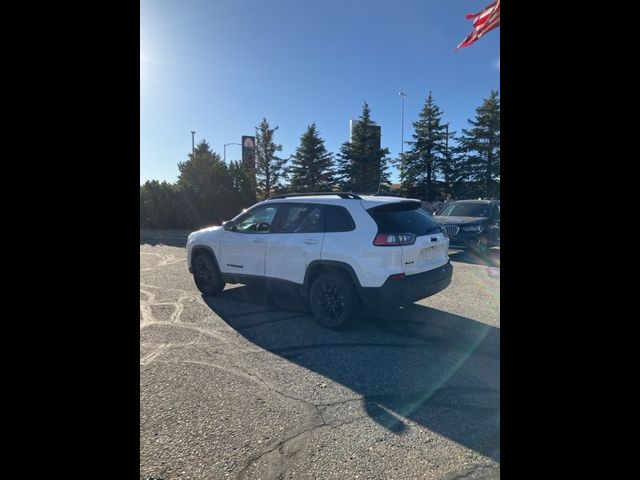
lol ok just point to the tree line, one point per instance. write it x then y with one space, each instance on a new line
438 163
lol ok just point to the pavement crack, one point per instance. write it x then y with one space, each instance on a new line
280 447
494 473
316 420
341 402
271 388
168 289
319 423
337 423
241 373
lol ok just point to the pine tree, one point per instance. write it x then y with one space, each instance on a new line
479 149
243 184
270 170
312 165
427 157
206 186
362 165
448 164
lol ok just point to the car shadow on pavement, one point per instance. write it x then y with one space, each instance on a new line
489 259
415 363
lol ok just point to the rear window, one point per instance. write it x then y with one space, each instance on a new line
403 217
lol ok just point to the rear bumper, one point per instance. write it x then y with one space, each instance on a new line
410 289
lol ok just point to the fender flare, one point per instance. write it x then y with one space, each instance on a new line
332 264
205 248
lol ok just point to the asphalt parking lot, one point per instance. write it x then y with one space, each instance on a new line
247 386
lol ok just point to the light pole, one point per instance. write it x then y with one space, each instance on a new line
193 145
402 95
225 150
446 143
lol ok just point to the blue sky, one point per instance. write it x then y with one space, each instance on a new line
219 66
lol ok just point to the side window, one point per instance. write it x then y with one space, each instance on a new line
338 219
302 218
257 220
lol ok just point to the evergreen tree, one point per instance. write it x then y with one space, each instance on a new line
243 184
427 157
448 164
311 169
479 150
206 187
161 206
270 170
362 165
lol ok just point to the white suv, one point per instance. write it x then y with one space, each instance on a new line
343 252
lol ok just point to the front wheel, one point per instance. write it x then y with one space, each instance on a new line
333 301
206 275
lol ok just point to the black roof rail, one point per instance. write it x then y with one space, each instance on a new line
344 195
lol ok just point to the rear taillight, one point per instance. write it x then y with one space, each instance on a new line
394 239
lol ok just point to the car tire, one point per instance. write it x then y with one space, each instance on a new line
333 301
206 275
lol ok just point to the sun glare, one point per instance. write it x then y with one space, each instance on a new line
143 61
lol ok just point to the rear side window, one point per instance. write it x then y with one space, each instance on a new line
338 219
305 218
403 217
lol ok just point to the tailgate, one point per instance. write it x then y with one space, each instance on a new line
428 252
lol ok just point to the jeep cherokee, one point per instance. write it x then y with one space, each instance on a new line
343 252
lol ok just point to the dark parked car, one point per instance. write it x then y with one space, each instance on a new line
473 224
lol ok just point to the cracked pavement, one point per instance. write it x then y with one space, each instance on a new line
246 386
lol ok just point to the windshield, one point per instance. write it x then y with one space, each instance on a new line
466 209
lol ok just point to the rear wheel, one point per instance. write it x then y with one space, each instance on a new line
206 275
333 301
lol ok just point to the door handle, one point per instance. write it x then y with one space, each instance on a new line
310 242
258 240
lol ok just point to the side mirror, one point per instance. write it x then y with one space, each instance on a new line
229 225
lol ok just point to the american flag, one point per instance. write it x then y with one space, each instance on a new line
484 22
